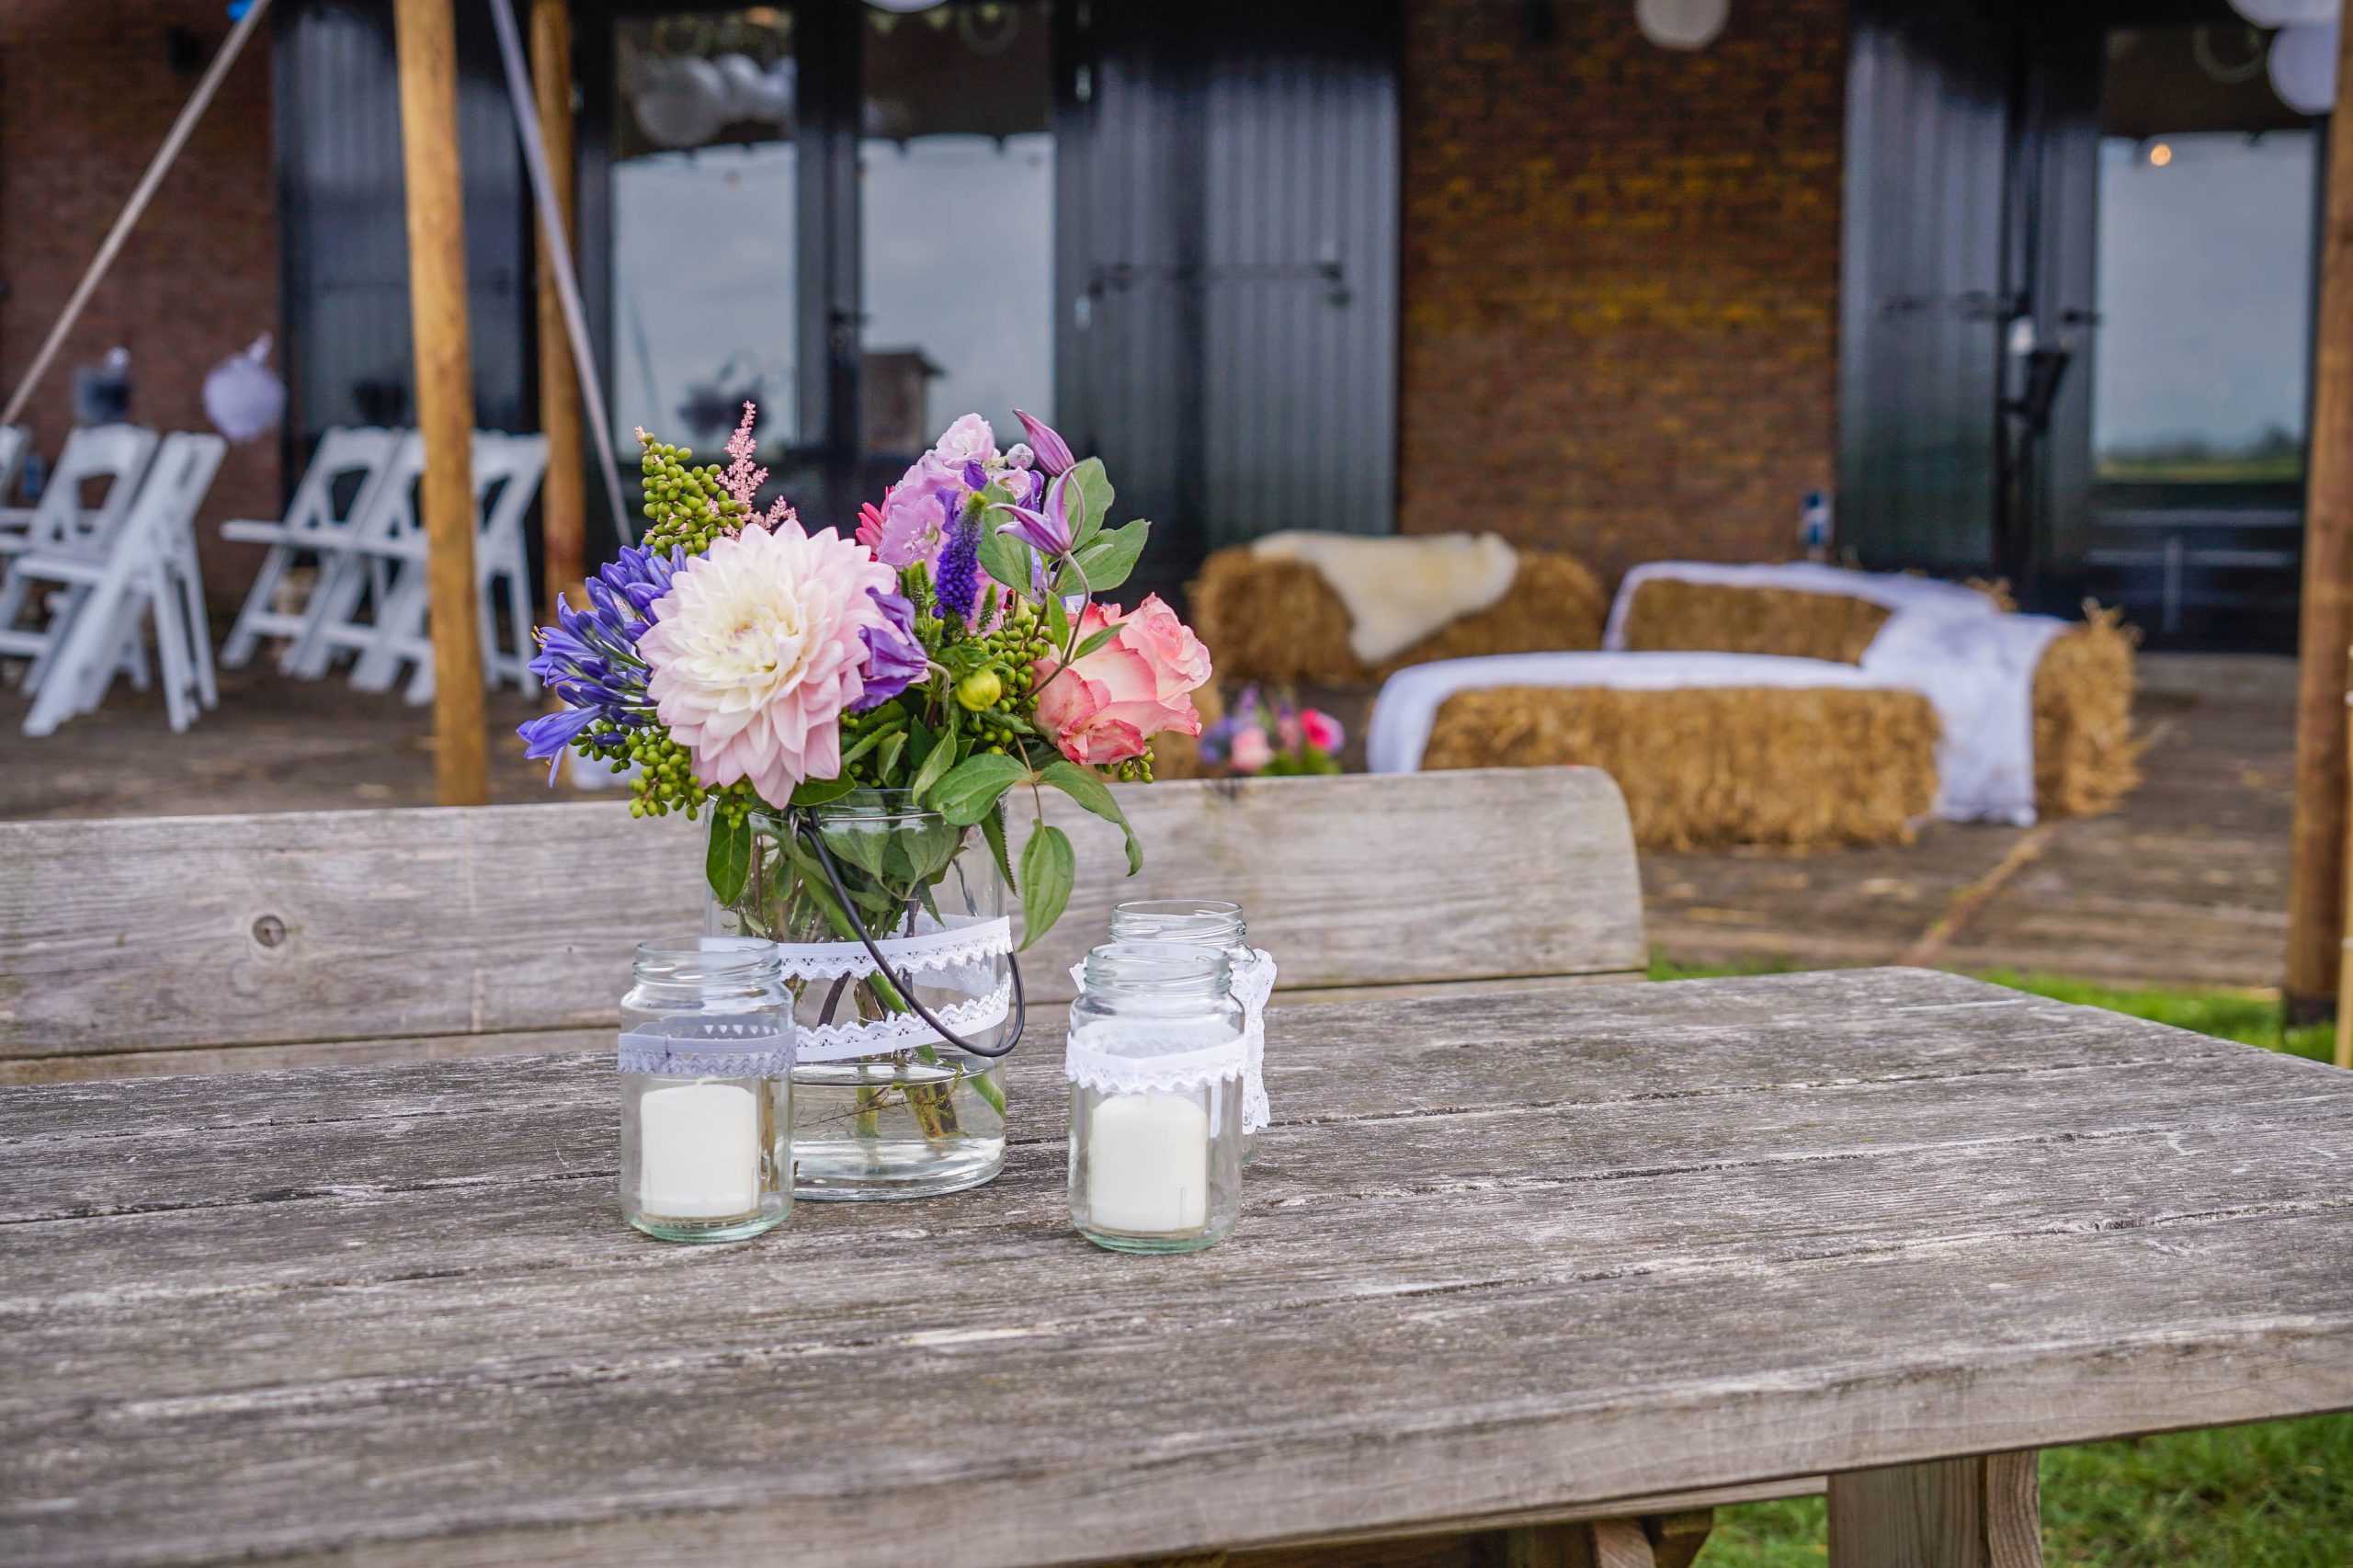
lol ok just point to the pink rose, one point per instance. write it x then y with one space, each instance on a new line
1322 731
1251 750
1107 707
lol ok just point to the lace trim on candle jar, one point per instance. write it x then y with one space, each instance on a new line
707 1048
1254 986
839 1042
1149 1060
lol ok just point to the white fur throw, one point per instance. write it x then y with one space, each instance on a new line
1398 590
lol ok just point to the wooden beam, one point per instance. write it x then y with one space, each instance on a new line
2318 879
1984 1512
427 37
564 494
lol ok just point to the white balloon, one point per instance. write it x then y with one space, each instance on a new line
242 398
2304 67
1681 24
687 108
2286 13
747 87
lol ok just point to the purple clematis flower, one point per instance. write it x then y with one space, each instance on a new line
894 659
1051 532
1050 451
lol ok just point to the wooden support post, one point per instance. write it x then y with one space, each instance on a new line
564 494
2317 871
1975 1513
427 32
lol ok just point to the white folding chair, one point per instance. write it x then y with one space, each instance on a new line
61 527
507 475
148 571
352 462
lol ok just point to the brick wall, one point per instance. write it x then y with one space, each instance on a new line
88 90
1621 277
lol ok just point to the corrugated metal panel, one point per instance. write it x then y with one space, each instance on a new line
344 223
1921 288
1228 261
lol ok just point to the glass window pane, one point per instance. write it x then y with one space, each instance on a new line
956 165
702 191
2205 299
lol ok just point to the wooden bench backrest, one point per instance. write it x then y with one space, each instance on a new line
196 944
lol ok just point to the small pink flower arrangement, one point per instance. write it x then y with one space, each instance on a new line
1275 738
949 647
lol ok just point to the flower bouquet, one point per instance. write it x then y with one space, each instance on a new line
1273 739
852 714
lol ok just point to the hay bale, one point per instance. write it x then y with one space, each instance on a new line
1279 621
1706 766
2087 758
1669 615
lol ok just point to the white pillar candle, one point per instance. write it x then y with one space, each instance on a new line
699 1151
1148 1165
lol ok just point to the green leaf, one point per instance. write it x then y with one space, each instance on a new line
865 744
1094 487
975 786
1048 866
993 829
936 765
1095 640
1057 621
888 761
1004 558
1106 561
1088 789
817 792
728 861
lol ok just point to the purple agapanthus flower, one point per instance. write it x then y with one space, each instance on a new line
957 581
894 659
589 657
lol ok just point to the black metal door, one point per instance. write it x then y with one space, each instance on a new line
344 234
1922 295
1227 262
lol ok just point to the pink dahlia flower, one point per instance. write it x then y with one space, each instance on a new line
1107 707
756 650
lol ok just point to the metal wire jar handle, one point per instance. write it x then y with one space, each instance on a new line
906 989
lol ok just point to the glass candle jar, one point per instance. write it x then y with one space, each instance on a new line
1155 1061
706 1065
1215 923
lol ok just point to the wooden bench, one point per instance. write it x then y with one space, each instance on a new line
202 944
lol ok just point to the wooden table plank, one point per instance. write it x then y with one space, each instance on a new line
1500 1256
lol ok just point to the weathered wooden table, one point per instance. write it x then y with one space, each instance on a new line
1505 1259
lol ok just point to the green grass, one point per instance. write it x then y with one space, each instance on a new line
2275 1495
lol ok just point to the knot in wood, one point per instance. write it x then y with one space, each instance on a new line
270 930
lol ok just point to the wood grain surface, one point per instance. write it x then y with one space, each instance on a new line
327 935
1502 1256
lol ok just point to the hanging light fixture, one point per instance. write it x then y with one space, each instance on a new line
2304 67
1681 24
904 8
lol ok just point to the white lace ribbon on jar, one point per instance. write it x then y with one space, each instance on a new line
954 958
708 1047
1149 1060
1254 986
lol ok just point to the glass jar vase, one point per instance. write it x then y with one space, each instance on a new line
706 1060
1155 1061
1216 922
886 1108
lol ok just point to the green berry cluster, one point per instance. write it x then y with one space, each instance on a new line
685 505
1007 657
666 778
